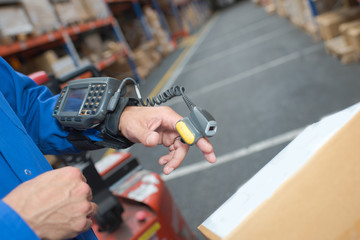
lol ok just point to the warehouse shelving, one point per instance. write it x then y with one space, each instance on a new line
118 6
175 8
64 35
69 36
33 42
313 8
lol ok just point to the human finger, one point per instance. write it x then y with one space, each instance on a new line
169 137
169 117
89 195
178 156
207 149
88 225
140 133
167 158
93 210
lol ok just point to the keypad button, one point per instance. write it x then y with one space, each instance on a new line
69 119
78 119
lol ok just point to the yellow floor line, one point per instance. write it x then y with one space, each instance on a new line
188 43
167 75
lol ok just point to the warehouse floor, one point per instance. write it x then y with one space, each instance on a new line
263 79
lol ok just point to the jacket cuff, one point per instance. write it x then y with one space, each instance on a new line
12 226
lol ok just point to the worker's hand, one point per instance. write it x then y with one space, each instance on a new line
56 204
156 125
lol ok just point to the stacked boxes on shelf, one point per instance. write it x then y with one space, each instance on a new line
58 35
42 15
67 12
161 37
13 22
77 11
96 9
49 62
174 25
336 24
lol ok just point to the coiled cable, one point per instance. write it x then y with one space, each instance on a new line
160 98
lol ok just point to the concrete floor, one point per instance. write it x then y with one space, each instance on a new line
260 77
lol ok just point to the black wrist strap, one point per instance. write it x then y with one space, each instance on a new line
109 131
81 142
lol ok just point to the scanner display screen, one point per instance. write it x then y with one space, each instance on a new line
74 99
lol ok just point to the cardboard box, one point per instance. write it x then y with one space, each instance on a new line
353 38
81 10
343 28
119 69
329 22
174 25
42 15
66 12
341 50
310 190
95 8
14 21
133 32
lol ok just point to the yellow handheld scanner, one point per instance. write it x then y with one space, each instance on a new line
199 124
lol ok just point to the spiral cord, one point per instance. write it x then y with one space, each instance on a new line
163 97
167 95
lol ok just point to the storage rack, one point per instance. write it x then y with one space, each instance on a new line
65 35
117 6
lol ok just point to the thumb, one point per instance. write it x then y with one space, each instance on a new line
152 139
147 137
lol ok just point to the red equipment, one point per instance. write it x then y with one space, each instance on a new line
148 209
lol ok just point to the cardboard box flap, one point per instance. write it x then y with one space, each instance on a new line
297 194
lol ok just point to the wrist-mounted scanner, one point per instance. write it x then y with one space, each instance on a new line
98 103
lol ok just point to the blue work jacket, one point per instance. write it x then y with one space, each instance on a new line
27 132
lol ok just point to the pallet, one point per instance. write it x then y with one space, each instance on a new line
338 48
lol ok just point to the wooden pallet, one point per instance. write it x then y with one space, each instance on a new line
338 48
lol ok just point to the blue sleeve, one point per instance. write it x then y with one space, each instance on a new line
12 226
33 105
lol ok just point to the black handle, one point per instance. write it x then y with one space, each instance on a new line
78 71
